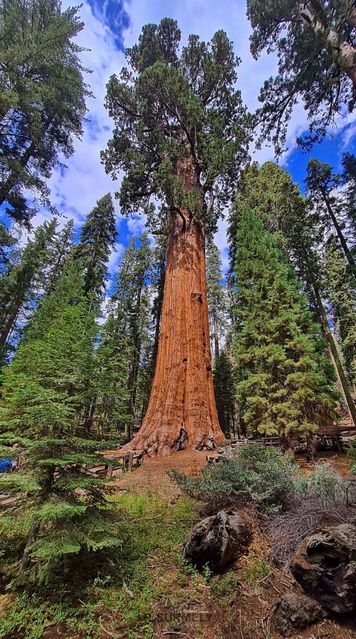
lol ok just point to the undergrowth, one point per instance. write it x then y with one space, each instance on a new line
123 600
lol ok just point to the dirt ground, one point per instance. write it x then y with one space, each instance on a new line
247 614
152 476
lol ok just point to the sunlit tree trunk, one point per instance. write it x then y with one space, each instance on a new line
182 411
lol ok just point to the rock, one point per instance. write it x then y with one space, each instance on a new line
325 566
294 612
219 540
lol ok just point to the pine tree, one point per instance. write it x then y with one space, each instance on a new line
111 375
130 296
348 179
181 134
278 203
59 251
321 183
285 383
341 294
315 44
19 284
62 508
120 366
157 275
217 299
224 387
7 242
42 103
97 239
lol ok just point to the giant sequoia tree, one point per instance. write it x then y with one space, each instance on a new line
315 43
180 137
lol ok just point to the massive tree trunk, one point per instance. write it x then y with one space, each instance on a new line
182 411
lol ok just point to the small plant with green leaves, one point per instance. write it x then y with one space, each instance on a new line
265 477
258 569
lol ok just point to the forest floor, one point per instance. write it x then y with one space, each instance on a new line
151 593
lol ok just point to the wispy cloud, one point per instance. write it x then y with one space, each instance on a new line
112 24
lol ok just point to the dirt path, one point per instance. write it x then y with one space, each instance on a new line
152 477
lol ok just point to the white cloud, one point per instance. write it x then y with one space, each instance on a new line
76 189
115 258
136 224
221 242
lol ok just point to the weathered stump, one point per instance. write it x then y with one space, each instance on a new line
325 567
218 541
295 612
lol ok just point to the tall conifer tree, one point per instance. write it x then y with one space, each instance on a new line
224 387
44 391
42 97
97 239
180 136
217 299
270 192
321 182
19 284
285 383
342 296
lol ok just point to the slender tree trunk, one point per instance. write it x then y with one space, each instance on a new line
216 338
339 232
335 355
182 411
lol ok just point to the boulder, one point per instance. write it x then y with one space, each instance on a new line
325 566
219 540
294 612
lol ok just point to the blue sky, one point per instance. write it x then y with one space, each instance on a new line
112 25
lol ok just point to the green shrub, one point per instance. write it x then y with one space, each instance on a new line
324 482
265 477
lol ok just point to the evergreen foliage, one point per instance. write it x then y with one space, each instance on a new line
111 374
348 179
315 45
23 277
341 294
321 183
42 97
217 298
62 508
224 387
269 192
97 239
173 106
285 381
120 365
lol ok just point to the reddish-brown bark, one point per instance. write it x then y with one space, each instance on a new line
182 411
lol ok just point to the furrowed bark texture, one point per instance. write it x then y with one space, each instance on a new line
182 411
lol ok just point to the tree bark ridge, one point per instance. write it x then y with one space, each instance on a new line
182 411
